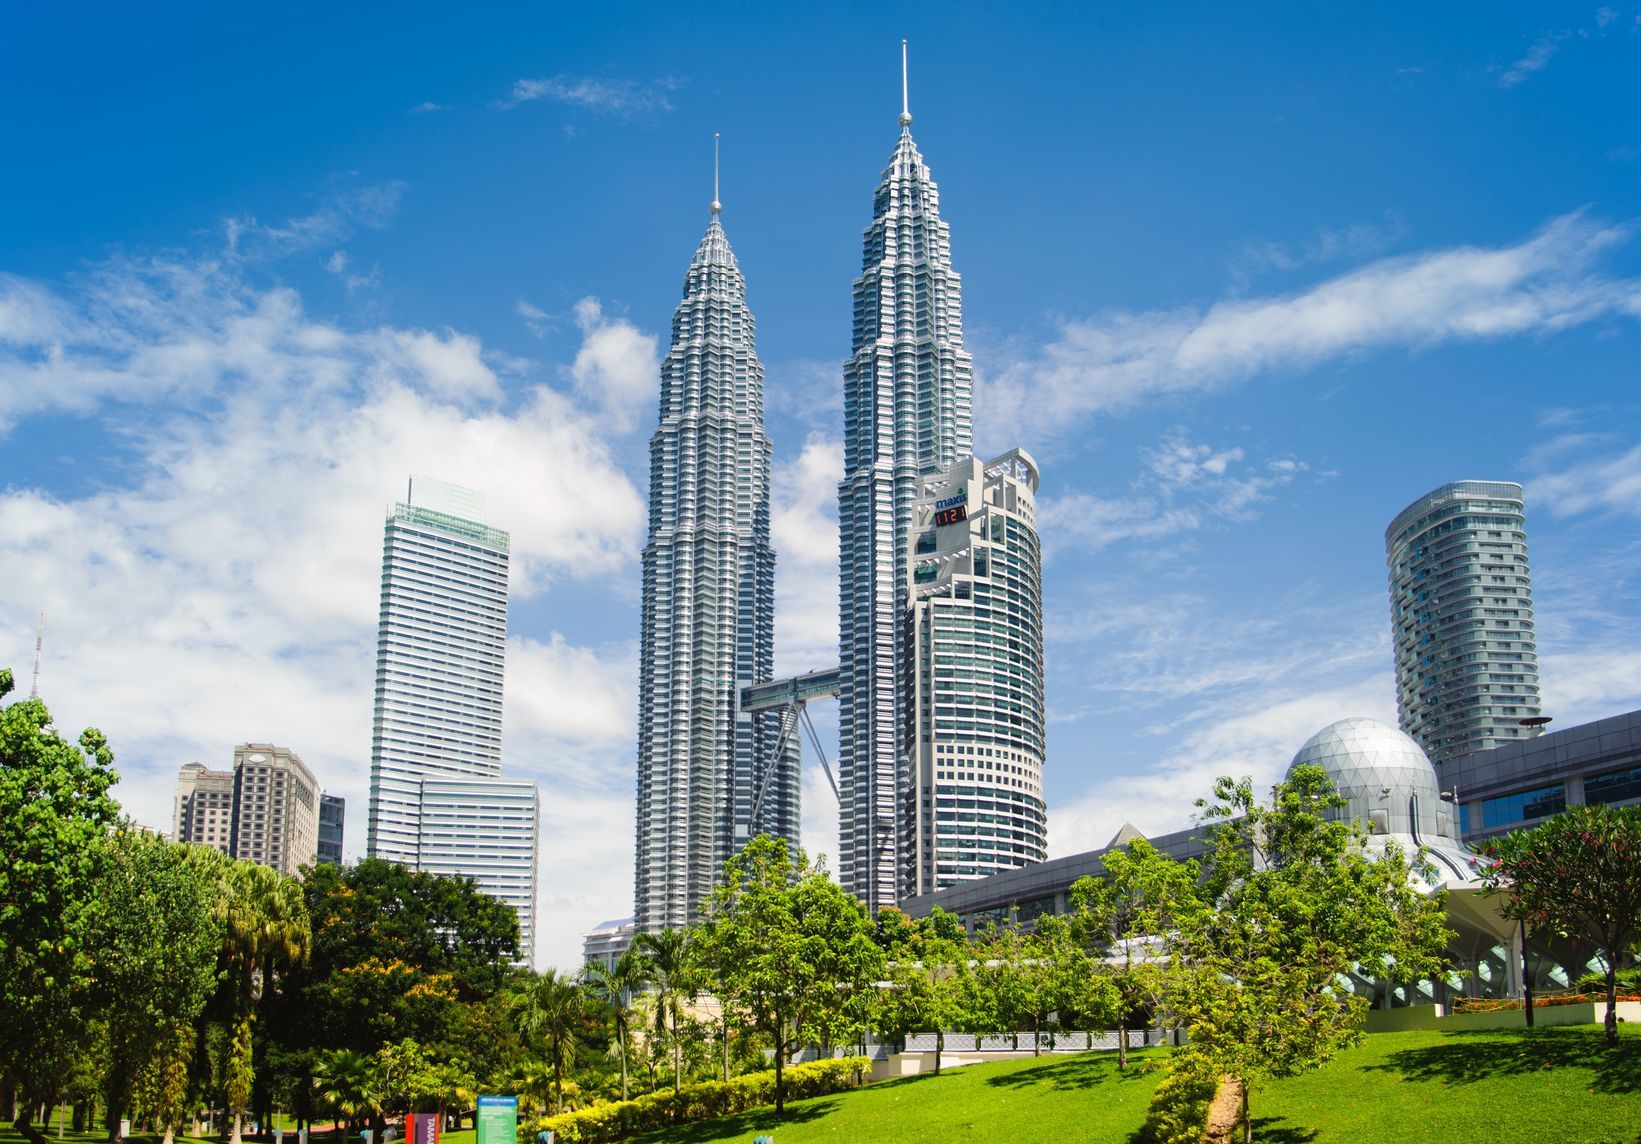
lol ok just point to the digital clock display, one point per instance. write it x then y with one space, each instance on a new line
954 515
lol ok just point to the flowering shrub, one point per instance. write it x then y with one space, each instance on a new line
616 1120
1540 1001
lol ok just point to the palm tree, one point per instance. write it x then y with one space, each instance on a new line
667 965
616 986
346 1080
547 1008
265 923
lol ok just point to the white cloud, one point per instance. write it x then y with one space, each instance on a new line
618 366
427 107
218 583
621 98
804 531
1257 742
1114 361
449 367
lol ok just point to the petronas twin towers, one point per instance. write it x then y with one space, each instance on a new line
711 774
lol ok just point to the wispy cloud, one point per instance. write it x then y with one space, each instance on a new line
341 213
1352 242
1607 482
538 321
1181 487
427 108
1117 360
620 98
1536 60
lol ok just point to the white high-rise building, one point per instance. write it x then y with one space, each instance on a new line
974 653
485 829
437 801
907 393
1461 613
706 778
441 645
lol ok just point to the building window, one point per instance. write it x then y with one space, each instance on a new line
1527 804
1614 786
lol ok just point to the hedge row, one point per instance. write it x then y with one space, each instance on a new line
1540 1001
616 1120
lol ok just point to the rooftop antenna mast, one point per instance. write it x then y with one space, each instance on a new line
39 643
905 98
716 205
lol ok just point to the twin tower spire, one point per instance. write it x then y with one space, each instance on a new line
711 775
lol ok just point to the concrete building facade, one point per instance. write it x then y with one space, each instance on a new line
264 809
973 805
1461 608
276 808
203 811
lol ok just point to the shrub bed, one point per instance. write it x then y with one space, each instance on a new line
1540 1001
705 1100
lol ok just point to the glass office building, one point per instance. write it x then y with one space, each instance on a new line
441 646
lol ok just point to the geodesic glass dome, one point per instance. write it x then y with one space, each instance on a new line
1388 783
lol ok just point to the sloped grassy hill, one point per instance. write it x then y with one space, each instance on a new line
1560 1085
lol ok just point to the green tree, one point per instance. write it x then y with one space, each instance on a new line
1575 876
548 1009
398 954
1296 901
670 967
55 808
782 942
265 927
616 986
347 1084
1141 896
926 976
154 939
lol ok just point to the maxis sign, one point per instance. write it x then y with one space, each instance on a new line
952 510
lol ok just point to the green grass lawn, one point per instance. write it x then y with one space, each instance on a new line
1560 1085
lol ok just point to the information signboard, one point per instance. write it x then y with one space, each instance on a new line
497 1121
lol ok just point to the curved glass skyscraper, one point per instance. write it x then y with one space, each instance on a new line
907 394
1461 613
708 606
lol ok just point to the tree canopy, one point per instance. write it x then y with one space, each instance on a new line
1575 876
786 945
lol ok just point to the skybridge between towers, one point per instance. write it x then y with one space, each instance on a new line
791 697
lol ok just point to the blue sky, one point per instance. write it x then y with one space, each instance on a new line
1245 281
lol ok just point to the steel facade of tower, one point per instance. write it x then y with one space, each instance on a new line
441 647
708 625
907 392
1461 607
974 658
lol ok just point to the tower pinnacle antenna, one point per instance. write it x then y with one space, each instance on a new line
716 205
905 98
39 643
